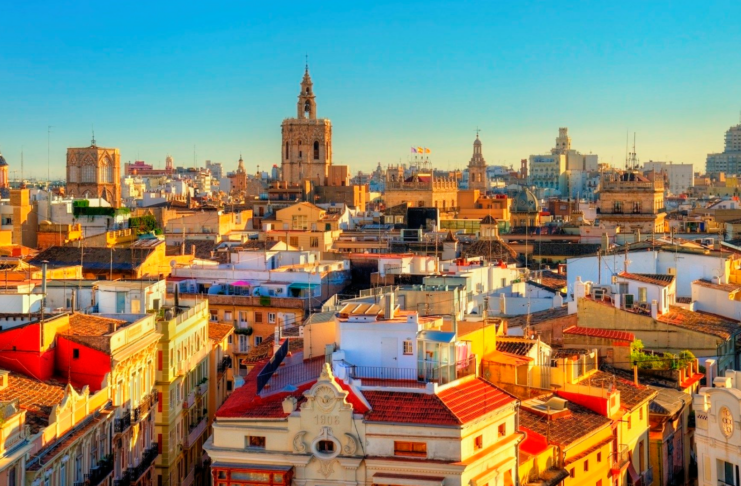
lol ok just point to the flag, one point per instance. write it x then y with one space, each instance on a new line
427 151
414 150
420 150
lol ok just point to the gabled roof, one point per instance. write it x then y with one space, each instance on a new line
105 259
488 220
35 397
454 406
217 331
631 395
649 278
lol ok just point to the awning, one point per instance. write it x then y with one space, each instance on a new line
407 479
241 283
437 336
302 286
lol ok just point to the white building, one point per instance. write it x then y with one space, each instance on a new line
717 432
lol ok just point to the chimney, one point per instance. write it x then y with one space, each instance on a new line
502 304
389 306
73 300
616 298
709 372
654 309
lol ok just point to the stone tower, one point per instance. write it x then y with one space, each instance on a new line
4 181
306 151
94 172
477 168
563 142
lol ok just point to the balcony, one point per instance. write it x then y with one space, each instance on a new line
97 474
124 480
195 432
120 425
620 460
150 454
226 362
189 401
426 372
146 404
202 389
188 481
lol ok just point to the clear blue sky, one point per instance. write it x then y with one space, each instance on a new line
156 79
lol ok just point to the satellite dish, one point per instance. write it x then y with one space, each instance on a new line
173 263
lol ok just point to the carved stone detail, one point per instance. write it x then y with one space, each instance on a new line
299 446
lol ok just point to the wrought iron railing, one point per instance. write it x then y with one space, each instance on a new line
425 372
124 480
226 362
120 425
136 472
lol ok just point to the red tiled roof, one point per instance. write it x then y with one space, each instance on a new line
600 333
245 402
456 405
217 331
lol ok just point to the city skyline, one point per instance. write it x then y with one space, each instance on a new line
389 77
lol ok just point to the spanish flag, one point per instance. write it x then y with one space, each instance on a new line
420 150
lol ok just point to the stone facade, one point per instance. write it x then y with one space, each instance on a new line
422 190
632 202
306 150
477 169
94 172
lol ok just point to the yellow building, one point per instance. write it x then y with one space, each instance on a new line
220 376
422 189
303 226
631 201
183 385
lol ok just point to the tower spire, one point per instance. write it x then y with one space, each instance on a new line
92 142
307 62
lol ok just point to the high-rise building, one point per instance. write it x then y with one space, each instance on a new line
728 161
307 140
477 168
94 172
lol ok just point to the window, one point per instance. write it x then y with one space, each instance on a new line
572 474
598 483
640 413
286 150
255 441
76 353
416 449
78 469
641 458
12 474
325 446
316 150
629 422
408 348
214 316
228 316
501 430
88 174
586 465
229 385
642 294
314 242
271 317
258 317
258 340
599 457
294 241
299 222
618 207
478 443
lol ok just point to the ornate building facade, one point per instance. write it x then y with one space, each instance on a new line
306 151
421 189
477 168
94 172
632 202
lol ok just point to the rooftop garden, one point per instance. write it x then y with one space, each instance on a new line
648 360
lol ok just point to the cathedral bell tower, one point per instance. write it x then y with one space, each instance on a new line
477 168
306 149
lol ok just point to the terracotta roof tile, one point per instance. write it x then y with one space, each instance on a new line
90 325
217 331
729 287
34 396
518 346
703 322
600 333
541 316
654 279
631 394
565 429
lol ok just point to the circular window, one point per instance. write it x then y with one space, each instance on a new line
326 447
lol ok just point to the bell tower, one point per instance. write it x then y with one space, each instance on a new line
477 168
306 148
306 99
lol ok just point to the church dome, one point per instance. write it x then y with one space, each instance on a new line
525 202
477 141
3 163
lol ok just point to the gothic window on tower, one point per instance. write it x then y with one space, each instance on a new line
88 173
300 153
286 150
307 108
316 150
74 174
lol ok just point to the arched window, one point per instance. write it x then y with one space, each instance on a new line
286 150
299 149
74 174
109 173
88 173
307 108
316 150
